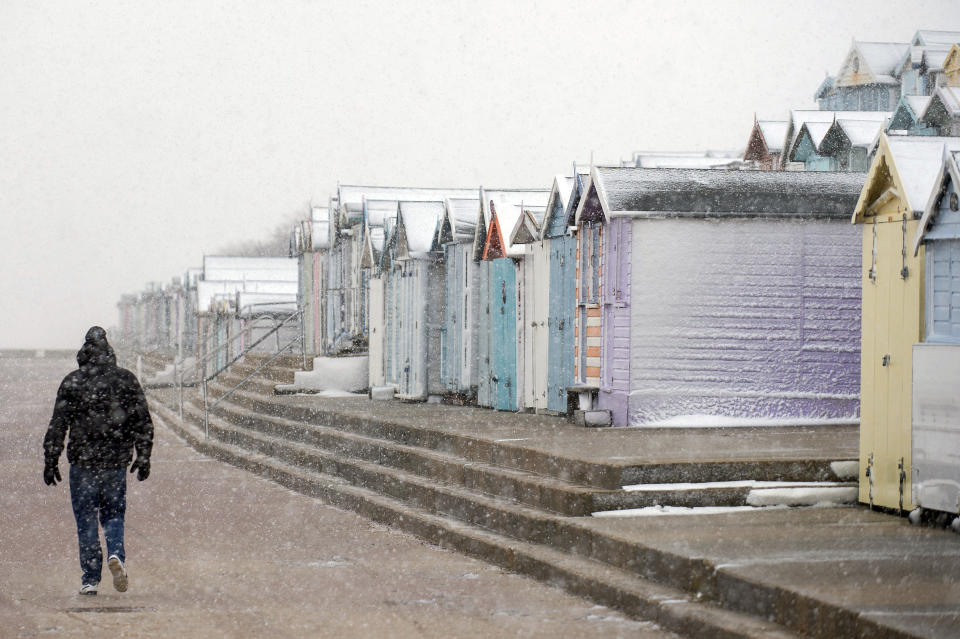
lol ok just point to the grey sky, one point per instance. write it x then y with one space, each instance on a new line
136 136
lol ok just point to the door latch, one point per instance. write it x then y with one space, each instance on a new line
885 361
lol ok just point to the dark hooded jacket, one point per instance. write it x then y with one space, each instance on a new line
103 408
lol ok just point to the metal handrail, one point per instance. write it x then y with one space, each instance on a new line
204 378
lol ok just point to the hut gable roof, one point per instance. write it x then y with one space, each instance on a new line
934 36
799 117
459 219
558 200
225 267
905 167
350 198
860 133
417 225
773 133
494 246
871 63
508 201
949 170
527 229
713 193
907 112
945 101
951 62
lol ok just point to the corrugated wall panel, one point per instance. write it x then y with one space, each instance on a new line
748 318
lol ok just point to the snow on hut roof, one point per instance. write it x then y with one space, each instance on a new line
917 103
211 291
417 224
932 55
949 167
934 36
817 131
799 117
914 162
774 132
320 232
527 229
918 160
686 159
861 133
351 196
655 192
881 58
947 96
379 210
560 193
503 199
461 216
217 267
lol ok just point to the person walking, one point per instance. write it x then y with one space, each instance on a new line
104 409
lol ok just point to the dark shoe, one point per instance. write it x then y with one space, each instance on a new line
119 573
88 589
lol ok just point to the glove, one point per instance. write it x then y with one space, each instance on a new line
142 468
51 474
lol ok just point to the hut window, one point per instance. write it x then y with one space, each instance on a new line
590 263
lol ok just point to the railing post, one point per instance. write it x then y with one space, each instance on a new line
303 341
206 422
181 398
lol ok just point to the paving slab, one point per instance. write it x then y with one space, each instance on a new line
865 563
215 551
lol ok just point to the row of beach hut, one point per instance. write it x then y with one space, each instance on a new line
656 294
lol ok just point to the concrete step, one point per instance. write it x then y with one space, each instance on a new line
431 519
254 396
537 491
533 490
694 575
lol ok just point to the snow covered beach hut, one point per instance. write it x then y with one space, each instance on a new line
561 244
936 360
898 188
495 391
312 245
765 143
421 297
842 145
345 305
378 214
533 308
728 294
458 370
237 294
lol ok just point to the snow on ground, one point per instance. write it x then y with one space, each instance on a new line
344 374
810 496
846 469
171 374
333 392
712 421
650 511
747 483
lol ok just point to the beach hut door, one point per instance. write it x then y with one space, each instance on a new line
504 346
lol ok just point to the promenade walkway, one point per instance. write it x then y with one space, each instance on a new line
214 551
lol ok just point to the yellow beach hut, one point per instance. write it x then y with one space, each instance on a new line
898 187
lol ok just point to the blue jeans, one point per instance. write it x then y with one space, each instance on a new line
98 492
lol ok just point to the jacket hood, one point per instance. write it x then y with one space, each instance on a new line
96 351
